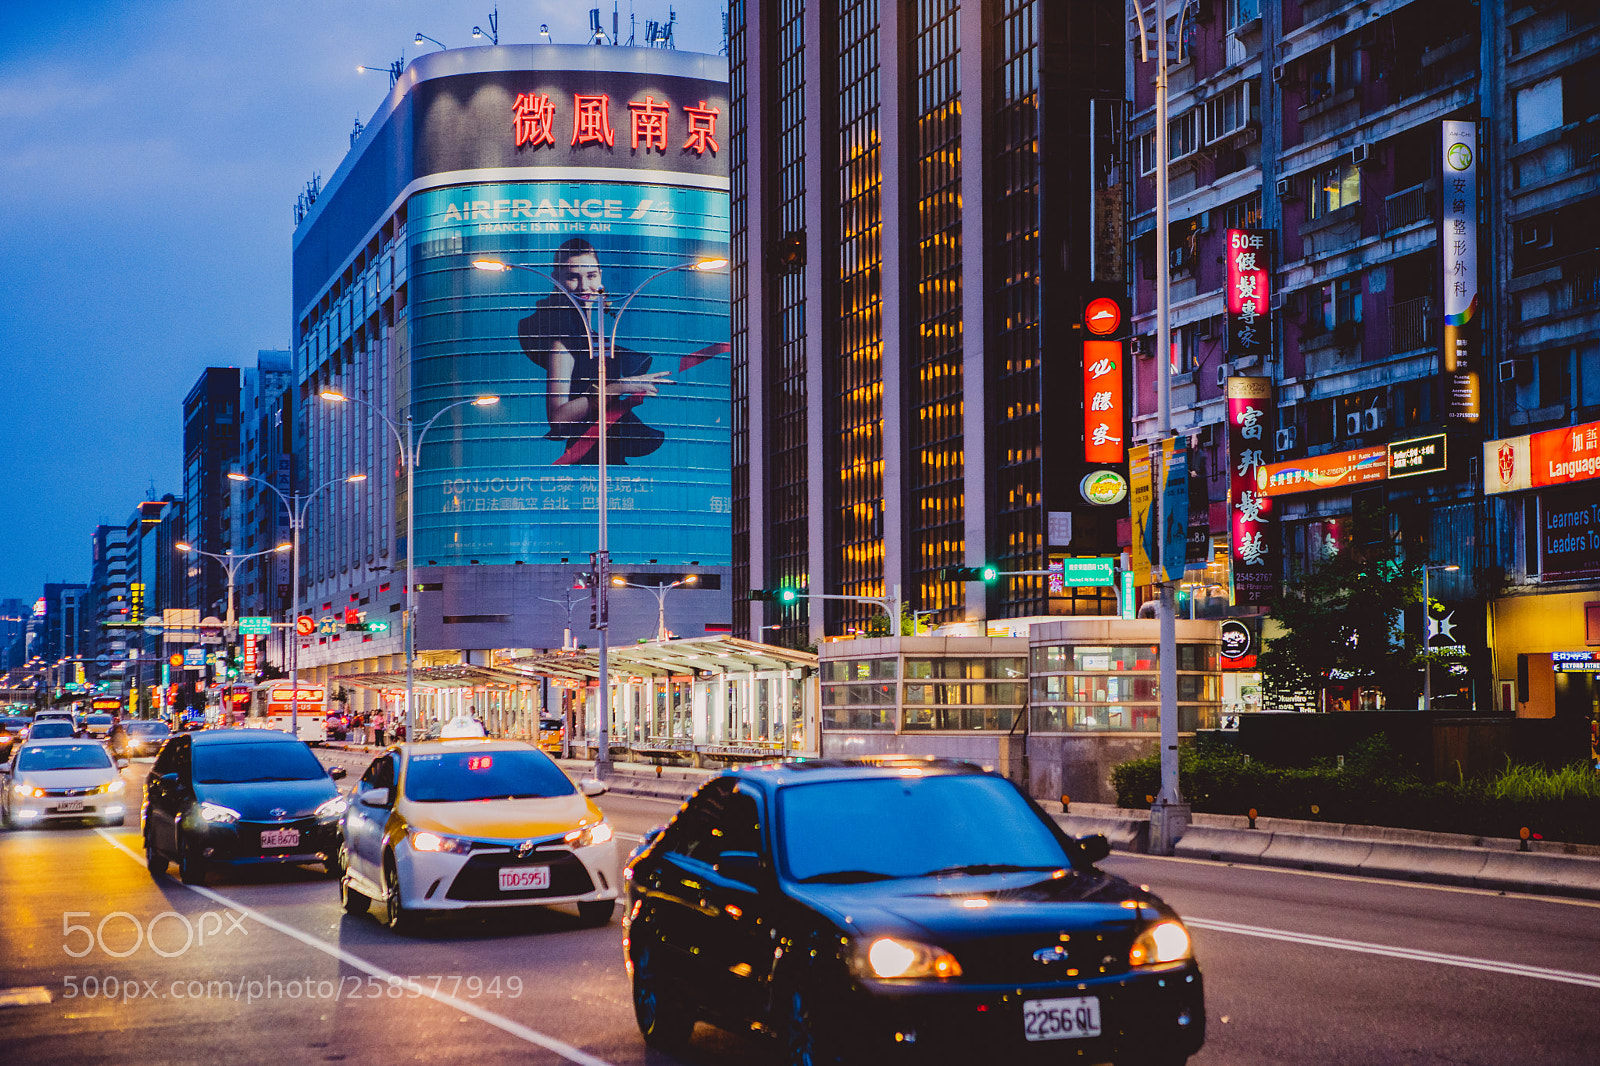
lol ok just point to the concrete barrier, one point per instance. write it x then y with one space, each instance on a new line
1326 854
1438 864
1223 845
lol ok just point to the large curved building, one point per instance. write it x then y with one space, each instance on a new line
586 168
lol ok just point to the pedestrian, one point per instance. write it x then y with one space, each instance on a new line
377 728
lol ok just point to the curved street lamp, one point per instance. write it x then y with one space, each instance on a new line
660 593
297 521
410 448
424 37
231 563
596 306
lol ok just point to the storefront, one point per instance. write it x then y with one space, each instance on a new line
508 704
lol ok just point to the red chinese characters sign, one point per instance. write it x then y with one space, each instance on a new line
1250 510
1249 292
1103 411
533 123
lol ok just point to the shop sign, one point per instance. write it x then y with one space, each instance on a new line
1533 461
1103 405
1424 455
1576 662
1337 470
1458 244
1103 487
533 122
1250 509
1249 292
1569 535
1236 641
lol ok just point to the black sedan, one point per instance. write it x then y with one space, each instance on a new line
239 796
899 908
138 736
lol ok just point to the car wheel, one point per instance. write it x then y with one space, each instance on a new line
397 916
153 859
191 867
663 1020
806 1039
354 903
596 912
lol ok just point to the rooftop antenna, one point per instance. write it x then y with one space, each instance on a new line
355 133
724 32
614 26
596 34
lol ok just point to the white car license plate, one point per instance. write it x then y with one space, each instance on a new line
280 838
1061 1019
523 878
69 805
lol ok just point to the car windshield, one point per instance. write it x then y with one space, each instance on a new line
63 757
549 723
226 764
505 773
51 730
151 728
878 829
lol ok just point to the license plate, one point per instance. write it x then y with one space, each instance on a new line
1061 1019
524 878
280 838
69 805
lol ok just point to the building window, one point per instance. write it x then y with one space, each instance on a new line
1334 187
1539 108
1229 111
1183 135
1341 302
1243 214
1242 11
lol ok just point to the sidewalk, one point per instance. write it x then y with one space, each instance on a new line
1548 868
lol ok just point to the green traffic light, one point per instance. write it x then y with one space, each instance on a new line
989 574
787 595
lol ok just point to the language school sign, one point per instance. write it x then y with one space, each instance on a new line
1569 534
1535 461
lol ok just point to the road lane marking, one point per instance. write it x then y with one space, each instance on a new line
1359 879
522 1032
1414 954
28 996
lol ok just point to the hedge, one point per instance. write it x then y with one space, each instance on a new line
1372 789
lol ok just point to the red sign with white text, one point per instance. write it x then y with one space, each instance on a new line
1255 578
1103 411
1249 292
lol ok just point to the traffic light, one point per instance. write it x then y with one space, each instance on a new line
783 594
987 574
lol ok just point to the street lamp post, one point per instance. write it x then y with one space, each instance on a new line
297 521
660 593
596 338
410 443
231 563
1427 635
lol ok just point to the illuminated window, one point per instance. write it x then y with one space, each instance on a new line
1334 187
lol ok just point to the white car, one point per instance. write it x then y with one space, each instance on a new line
63 780
466 823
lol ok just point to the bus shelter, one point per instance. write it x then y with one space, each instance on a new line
508 703
705 700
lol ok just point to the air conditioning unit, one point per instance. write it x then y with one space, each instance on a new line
1205 329
1210 434
1223 370
1136 346
1359 154
1285 439
1287 189
1280 72
1508 370
1352 424
1276 303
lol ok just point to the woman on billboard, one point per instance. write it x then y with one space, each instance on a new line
554 339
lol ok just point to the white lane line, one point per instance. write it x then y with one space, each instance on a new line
522 1032
1414 954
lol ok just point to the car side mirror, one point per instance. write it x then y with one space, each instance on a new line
170 780
591 787
742 866
337 773
375 797
122 764
1094 847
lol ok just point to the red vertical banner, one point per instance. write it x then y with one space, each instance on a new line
1103 410
1255 573
1249 294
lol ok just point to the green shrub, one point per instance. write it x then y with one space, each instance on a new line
1373 788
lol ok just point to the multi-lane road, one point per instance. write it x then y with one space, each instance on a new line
99 962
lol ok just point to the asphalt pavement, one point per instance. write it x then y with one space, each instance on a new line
103 963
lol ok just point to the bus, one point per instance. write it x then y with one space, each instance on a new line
270 708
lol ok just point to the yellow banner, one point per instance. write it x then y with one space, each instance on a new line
1141 509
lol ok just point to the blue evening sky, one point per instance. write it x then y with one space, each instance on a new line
150 156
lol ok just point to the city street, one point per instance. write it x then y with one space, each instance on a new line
263 964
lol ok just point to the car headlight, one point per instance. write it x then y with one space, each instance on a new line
332 808
217 813
425 841
114 786
598 833
27 791
1163 942
891 957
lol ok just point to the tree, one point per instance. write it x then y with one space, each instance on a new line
1344 622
